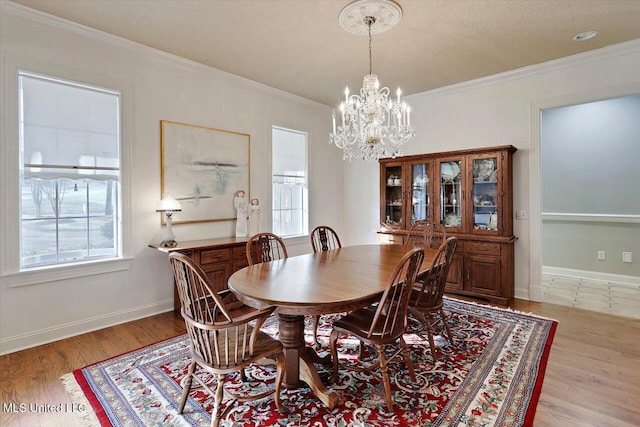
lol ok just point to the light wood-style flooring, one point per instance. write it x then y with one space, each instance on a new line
592 378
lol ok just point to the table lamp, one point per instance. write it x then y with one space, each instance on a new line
168 205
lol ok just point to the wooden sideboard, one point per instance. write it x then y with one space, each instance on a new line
219 258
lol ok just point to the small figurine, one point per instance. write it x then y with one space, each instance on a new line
254 217
240 204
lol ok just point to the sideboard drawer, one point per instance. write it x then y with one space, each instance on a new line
240 253
215 255
483 248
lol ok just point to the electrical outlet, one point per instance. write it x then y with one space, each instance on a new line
602 256
627 257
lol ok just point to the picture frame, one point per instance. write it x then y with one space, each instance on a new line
202 168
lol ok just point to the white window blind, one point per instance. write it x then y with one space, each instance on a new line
70 172
289 183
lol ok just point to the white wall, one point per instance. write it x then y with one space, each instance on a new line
500 110
586 202
155 86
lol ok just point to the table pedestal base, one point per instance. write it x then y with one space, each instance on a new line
300 360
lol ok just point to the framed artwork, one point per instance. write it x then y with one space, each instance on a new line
202 168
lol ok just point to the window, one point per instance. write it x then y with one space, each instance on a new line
289 183
69 172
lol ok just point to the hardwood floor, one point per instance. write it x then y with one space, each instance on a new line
32 376
592 378
593 374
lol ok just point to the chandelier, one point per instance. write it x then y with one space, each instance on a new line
372 124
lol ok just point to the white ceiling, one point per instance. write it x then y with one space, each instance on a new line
299 47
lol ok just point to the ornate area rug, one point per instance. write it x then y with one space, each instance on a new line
490 376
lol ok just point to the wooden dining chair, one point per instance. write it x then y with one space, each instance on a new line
265 247
383 325
222 338
426 299
323 238
427 234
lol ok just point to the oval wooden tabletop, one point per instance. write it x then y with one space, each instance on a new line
321 283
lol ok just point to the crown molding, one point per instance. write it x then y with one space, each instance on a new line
141 50
604 53
608 52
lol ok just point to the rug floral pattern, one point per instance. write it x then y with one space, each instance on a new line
490 376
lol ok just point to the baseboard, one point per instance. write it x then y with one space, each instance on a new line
592 275
66 330
523 295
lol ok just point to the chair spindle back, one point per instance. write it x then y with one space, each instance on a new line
390 319
432 287
216 338
324 238
265 247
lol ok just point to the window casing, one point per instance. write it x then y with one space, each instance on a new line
290 194
70 197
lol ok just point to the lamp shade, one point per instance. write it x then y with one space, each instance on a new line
168 204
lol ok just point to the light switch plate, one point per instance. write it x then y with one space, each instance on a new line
522 215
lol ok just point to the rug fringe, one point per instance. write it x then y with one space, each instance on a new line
71 386
509 309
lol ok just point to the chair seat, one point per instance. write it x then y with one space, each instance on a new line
420 301
359 322
263 345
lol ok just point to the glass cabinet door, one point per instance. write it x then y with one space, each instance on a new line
420 188
393 195
450 173
485 193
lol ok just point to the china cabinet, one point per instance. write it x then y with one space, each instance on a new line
470 193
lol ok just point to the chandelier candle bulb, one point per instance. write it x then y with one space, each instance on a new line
333 119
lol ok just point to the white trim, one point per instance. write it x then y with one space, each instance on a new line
592 275
579 59
9 252
66 330
535 209
9 170
524 294
63 272
585 217
535 198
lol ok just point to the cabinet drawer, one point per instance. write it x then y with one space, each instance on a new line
215 255
240 252
483 248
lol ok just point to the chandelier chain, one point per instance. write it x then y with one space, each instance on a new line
370 20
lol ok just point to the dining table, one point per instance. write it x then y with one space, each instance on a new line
333 281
